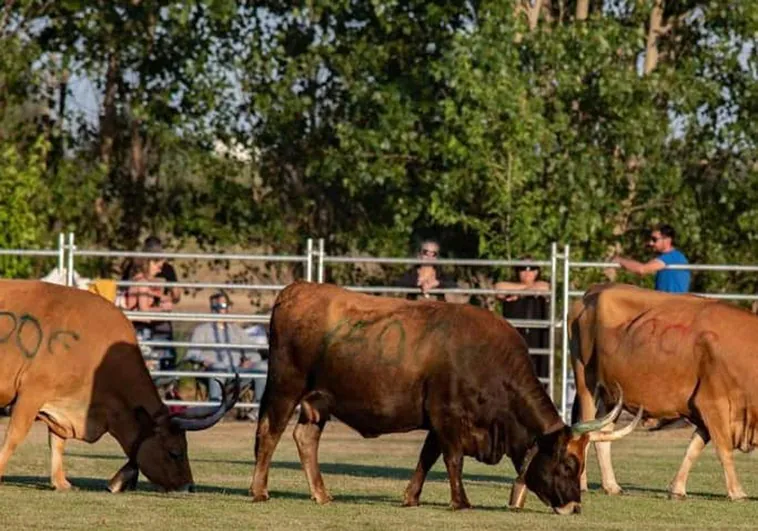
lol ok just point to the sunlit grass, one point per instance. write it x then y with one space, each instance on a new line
367 478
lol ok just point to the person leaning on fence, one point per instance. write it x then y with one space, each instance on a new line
532 307
225 359
169 296
662 241
426 276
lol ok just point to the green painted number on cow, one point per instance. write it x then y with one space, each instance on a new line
29 335
387 355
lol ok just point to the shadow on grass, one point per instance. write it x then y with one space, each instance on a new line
340 469
664 493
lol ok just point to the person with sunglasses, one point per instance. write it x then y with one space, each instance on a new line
224 359
427 275
662 241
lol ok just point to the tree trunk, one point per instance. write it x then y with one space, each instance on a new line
533 14
108 126
582 9
654 31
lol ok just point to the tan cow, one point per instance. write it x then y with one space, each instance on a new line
678 356
70 358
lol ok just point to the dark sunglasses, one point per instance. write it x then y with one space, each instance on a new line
220 306
656 238
427 252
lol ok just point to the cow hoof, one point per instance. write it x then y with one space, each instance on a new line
460 506
62 486
410 503
738 498
613 490
322 500
677 496
262 497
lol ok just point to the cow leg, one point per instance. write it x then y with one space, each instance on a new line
603 451
276 410
57 475
454 463
22 417
314 413
429 454
678 487
726 456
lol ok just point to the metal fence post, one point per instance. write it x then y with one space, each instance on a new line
553 303
61 252
564 346
70 268
320 268
309 260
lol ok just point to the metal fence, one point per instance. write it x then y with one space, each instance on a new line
315 262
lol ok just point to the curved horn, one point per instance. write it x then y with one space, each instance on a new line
518 491
197 419
594 425
618 434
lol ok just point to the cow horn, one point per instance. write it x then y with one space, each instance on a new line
600 436
594 425
518 491
196 419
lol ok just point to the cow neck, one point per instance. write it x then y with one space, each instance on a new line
128 431
535 415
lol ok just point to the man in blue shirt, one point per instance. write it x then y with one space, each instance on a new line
662 241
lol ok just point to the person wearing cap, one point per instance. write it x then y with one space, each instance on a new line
427 275
662 241
225 359
532 307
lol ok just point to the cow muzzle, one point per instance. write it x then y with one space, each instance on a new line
569 508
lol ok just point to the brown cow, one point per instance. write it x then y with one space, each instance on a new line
384 365
679 356
70 358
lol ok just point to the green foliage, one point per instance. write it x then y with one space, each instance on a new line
371 123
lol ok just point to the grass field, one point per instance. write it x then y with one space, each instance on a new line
367 478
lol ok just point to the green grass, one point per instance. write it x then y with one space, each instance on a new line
367 478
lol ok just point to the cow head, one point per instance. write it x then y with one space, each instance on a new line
554 464
161 451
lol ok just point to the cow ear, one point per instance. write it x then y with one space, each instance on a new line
145 420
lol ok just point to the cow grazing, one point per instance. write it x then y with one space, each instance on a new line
679 356
384 365
70 358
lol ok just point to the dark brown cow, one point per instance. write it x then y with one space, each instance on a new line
384 365
678 356
70 358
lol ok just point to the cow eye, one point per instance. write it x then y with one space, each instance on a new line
175 455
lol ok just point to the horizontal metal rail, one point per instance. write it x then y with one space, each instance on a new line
723 296
220 346
439 261
193 256
28 252
196 317
191 403
209 375
676 267
201 285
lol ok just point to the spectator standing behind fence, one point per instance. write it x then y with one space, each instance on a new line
426 276
227 359
532 307
662 241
